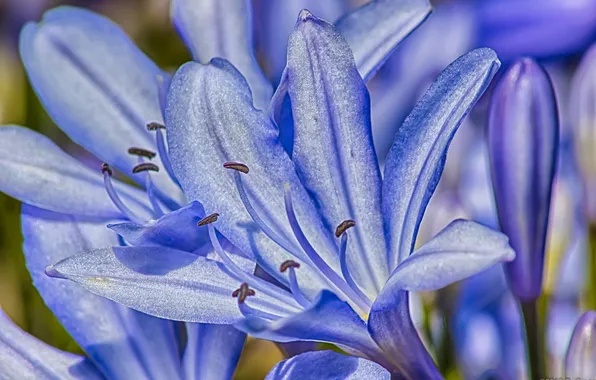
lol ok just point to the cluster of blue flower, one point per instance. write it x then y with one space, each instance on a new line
291 215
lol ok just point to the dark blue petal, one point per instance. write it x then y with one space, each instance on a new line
96 85
35 171
211 120
23 356
339 167
523 136
212 351
581 353
177 229
375 29
327 365
415 161
123 343
222 28
328 319
163 282
278 19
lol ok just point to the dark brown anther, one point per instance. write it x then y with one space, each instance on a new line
343 227
105 168
154 126
208 219
145 167
287 265
236 166
142 152
243 292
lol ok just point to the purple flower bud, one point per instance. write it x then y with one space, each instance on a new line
580 361
523 144
583 120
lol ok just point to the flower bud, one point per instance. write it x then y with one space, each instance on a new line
523 145
580 361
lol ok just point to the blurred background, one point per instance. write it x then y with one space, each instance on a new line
556 32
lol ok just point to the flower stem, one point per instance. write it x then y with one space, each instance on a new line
534 339
590 294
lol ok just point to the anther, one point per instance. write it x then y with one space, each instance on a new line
154 126
287 265
238 166
142 152
243 292
208 219
146 166
105 168
343 227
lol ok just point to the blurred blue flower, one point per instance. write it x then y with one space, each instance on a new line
579 362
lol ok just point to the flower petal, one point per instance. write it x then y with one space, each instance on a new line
327 365
35 171
579 362
328 319
339 167
177 229
375 29
523 140
201 22
211 120
117 339
212 351
415 161
23 356
96 85
162 282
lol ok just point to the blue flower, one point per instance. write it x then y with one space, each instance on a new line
579 362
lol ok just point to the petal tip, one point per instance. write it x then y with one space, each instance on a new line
305 15
51 271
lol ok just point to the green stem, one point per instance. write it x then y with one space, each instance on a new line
590 295
534 339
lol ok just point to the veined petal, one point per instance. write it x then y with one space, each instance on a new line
223 29
375 29
23 356
211 120
154 280
416 159
327 365
123 343
96 85
35 171
579 362
328 319
177 229
212 351
523 140
339 167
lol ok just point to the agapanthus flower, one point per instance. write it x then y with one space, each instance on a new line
579 362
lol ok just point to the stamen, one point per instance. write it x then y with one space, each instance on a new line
161 149
343 260
151 194
236 166
145 166
107 180
208 219
294 288
142 152
343 227
282 242
243 292
315 258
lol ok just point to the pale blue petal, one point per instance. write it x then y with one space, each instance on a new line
212 351
24 357
339 167
222 29
328 319
580 361
211 120
177 229
375 29
327 365
96 85
123 343
163 282
35 171
416 159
